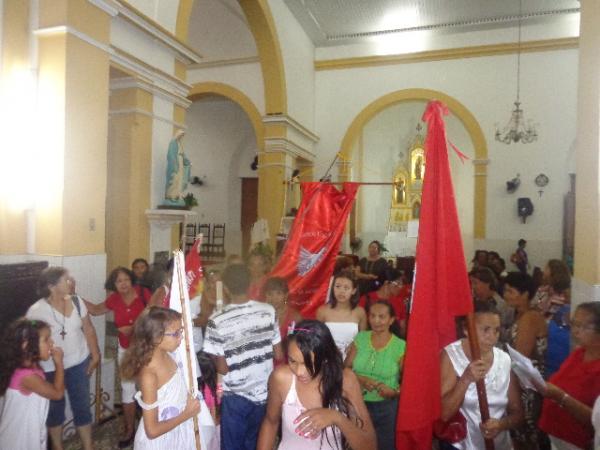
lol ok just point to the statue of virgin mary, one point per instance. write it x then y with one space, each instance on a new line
178 171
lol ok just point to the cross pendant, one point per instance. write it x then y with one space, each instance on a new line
63 333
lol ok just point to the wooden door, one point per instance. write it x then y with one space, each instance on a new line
249 210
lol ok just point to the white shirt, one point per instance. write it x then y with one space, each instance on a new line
73 344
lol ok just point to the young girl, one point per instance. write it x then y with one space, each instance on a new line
164 398
27 394
342 315
376 357
209 385
316 400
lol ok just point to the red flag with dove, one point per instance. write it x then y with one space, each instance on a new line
193 269
308 258
441 291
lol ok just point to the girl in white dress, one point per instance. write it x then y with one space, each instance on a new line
167 408
25 392
342 315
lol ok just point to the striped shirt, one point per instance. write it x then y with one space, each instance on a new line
245 335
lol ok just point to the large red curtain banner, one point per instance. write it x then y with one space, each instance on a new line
308 259
441 291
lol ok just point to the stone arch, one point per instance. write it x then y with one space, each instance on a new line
200 90
262 26
461 112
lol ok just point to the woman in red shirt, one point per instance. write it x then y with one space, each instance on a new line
126 301
571 392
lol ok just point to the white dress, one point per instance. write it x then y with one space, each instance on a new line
171 400
23 416
497 381
343 334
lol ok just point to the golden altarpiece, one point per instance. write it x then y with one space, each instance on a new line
408 185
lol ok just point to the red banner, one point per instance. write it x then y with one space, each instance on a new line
309 256
440 291
193 270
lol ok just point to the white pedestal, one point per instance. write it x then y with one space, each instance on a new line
161 222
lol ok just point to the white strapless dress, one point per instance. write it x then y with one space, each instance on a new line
343 334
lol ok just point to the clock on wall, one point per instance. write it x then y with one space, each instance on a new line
541 180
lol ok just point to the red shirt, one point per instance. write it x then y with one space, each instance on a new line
581 380
396 302
126 314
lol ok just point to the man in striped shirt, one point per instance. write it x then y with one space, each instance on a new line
243 339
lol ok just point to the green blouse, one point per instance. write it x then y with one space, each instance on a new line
380 365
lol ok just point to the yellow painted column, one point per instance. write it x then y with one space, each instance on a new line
129 169
72 99
273 170
587 215
14 89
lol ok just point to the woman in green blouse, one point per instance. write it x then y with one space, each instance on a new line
376 357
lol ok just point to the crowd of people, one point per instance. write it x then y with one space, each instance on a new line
271 377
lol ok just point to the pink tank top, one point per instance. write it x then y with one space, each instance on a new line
291 409
22 372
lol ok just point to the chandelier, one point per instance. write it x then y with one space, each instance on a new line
517 129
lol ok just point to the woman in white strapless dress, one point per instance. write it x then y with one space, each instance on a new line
342 315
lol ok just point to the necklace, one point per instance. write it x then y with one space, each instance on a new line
62 325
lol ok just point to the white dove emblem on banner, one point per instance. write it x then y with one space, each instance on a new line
308 260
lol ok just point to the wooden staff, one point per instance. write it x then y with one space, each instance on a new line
219 302
484 408
187 339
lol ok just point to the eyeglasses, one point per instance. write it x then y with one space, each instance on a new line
175 334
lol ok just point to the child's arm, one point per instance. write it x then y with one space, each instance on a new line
51 391
154 428
362 318
270 424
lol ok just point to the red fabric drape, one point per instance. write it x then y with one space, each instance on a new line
193 270
441 291
308 258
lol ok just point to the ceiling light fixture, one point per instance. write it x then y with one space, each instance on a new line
517 130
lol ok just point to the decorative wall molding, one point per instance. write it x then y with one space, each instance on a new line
181 50
108 6
117 112
137 83
285 145
224 63
67 29
290 122
445 54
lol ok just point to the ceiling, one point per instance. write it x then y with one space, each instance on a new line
336 22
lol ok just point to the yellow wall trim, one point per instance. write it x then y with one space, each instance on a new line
200 90
262 26
453 53
459 110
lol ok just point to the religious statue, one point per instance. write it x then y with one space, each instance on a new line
178 172
400 191
418 168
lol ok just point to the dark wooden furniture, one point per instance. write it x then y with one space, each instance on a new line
18 289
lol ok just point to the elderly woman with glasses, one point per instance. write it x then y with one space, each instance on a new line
570 393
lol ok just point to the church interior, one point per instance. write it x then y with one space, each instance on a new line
270 93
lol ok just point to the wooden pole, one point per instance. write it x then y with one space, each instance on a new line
484 408
187 340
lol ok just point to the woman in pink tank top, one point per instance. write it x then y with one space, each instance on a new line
317 401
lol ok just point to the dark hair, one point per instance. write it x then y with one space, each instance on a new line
12 354
522 242
236 278
275 284
395 326
522 282
140 260
148 332
494 254
322 357
209 373
349 275
560 276
378 245
479 307
114 274
49 277
266 259
485 275
594 309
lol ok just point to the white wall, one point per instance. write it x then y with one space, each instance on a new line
221 144
487 87
298 58
219 31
